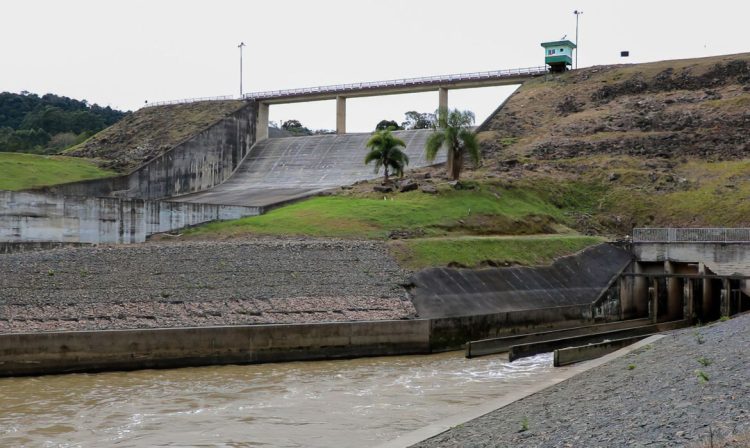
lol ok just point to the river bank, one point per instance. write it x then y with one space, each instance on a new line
683 390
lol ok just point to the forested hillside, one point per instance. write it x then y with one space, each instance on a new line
50 123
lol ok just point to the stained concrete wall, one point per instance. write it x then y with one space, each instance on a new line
451 333
693 252
36 217
32 354
201 162
571 281
78 351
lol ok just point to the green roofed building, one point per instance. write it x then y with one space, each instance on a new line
558 55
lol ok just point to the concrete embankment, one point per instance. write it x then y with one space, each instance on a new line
170 150
685 389
282 169
569 282
44 218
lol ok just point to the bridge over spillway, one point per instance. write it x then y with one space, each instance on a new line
341 92
281 169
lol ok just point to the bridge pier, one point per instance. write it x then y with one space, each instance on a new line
443 98
674 293
261 123
341 114
640 292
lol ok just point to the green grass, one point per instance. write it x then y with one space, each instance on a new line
21 171
489 211
478 251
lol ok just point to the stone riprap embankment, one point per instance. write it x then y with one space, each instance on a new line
675 392
155 285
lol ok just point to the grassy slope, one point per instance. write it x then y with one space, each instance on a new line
452 212
467 228
701 182
475 251
22 171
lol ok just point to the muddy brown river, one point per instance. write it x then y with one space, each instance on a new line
348 403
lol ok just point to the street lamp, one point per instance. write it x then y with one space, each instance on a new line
242 44
577 13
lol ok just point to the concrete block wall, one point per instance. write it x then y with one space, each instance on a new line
37 217
199 163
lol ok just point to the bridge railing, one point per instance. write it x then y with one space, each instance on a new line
691 235
405 82
190 100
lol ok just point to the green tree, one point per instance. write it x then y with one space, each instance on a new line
296 128
455 134
388 124
385 150
417 120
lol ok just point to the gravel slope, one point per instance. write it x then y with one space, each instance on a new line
654 397
200 283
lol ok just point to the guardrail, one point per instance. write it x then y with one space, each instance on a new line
190 100
691 235
405 82
340 88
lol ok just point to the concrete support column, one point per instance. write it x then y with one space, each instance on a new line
726 294
443 98
627 309
640 292
674 293
261 123
653 293
689 295
707 303
340 115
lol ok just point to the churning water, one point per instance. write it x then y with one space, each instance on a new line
360 402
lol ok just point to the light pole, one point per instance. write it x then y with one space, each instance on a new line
577 13
242 44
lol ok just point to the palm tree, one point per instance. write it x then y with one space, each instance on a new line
454 132
385 150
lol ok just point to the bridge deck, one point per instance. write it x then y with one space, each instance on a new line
399 86
281 169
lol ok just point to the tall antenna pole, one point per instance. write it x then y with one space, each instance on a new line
577 13
242 44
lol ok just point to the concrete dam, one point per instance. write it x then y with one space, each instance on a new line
282 169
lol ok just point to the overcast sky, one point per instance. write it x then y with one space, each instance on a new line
121 53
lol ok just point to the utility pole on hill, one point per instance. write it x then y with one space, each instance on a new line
242 44
577 13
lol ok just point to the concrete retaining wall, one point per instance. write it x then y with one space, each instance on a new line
31 354
35 217
577 280
452 333
199 163
692 252
59 352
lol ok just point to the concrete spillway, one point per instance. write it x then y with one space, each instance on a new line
281 169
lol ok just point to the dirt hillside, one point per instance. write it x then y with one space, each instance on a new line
150 132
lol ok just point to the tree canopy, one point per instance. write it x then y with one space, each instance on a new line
455 134
388 124
28 122
418 120
296 128
385 151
